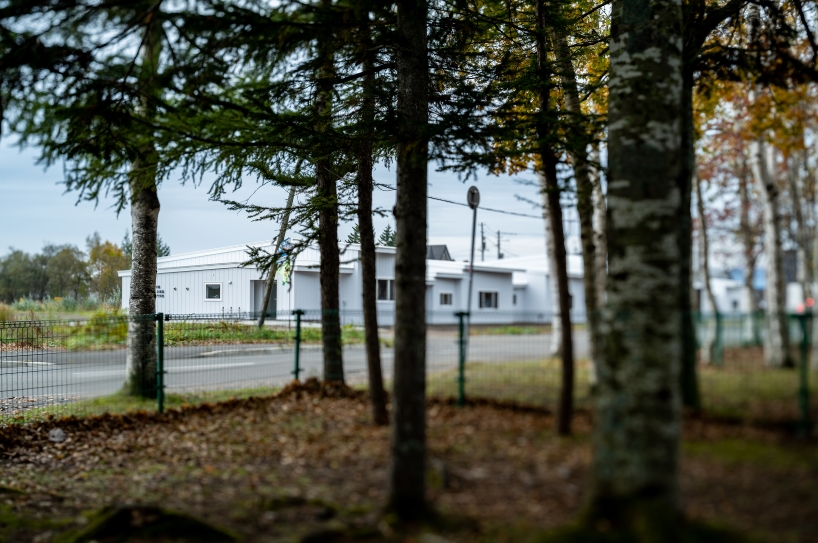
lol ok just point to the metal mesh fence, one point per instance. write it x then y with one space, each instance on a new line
741 378
48 367
81 367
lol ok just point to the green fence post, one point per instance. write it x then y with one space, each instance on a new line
297 313
160 362
461 367
718 355
805 425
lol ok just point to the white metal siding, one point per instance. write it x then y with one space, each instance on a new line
307 290
385 266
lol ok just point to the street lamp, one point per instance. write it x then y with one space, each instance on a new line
473 199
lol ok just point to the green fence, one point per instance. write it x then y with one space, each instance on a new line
81 366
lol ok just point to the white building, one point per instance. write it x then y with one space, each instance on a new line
214 282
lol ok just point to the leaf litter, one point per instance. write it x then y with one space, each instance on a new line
307 464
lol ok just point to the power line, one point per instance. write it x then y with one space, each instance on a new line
390 187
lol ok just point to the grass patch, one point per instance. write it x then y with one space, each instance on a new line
743 451
740 392
508 330
534 383
109 330
122 403
12 525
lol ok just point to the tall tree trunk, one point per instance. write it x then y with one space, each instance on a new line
637 427
688 376
709 350
802 236
600 239
555 347
140 365
577 143
377 394
549 166
748 240
282 232
327 196
777 338
407 496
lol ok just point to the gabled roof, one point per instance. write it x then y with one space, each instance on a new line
438 252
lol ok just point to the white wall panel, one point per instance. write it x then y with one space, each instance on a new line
385 266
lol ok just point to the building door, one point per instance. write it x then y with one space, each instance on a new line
258 297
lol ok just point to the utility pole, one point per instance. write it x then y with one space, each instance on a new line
499 254
482 243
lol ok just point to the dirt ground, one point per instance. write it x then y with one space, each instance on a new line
301 467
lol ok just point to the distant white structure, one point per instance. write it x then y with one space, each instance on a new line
214 282
730 298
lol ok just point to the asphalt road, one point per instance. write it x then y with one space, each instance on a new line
35 378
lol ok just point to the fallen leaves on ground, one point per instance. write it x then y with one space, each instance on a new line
269 469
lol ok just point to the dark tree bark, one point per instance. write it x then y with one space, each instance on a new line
689 379
578 140
407 497
327 197
549 165
144 199
637 427
377 394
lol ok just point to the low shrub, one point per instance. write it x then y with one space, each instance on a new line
7 313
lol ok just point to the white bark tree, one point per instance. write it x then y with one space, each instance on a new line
708 352
555 349
776 337
601 242
803 204
748 235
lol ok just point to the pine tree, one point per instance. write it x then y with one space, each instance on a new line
387 237
355 235
407 474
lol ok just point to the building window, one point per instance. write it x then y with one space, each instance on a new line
445 298
488 300
213 292
386 289
514 299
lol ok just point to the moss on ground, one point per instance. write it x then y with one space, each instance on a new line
742 451
144 523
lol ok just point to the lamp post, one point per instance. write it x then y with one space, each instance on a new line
473 199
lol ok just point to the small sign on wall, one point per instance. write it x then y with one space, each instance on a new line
160 293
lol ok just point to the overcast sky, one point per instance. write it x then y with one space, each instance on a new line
34 210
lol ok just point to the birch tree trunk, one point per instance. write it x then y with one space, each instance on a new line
776 339
637 426
802 231
327 195
377 394
577 143
708 353
560 272
407 489
600 240
282 232
748 241
140 365
555 349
